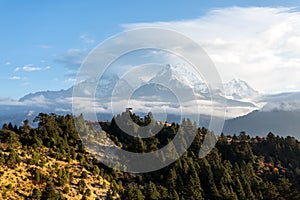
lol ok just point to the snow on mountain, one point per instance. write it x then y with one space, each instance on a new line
241 97
177 78
48 95
183 81
168 75
166 86
248 109
104 88
235 89
239 89
183 76
160 90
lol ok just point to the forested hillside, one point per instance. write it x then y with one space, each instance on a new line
50 162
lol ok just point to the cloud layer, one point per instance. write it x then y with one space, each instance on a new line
259 45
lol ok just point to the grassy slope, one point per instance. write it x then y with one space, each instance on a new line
22 184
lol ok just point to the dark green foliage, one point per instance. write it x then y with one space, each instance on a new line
133 192
81 186
50 193
36 194
235 169
84 175
12 159
88 192
9 138
66 190
151 192
9 186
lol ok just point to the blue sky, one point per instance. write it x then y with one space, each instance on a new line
41 40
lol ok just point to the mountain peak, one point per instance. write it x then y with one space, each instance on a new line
240 89
237 80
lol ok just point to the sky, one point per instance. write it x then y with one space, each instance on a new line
42 43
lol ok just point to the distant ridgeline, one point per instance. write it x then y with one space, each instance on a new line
51 162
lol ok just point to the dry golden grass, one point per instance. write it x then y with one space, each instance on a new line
17 183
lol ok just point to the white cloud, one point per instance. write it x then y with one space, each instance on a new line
258 44
9 102
30 113
70 80
31 68
17 69
86 39
15 78
7 63
285 106
39 101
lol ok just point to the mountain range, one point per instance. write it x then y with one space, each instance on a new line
165 92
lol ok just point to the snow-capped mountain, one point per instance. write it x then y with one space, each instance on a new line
239 89
176 79
178 84
160 93
182 76
48 95
166 86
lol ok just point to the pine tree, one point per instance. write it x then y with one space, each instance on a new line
152 192
171 179
50 193
133 192
36 194
174 195
239 188
81 186
207 179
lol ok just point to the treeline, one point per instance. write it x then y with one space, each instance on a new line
239 167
